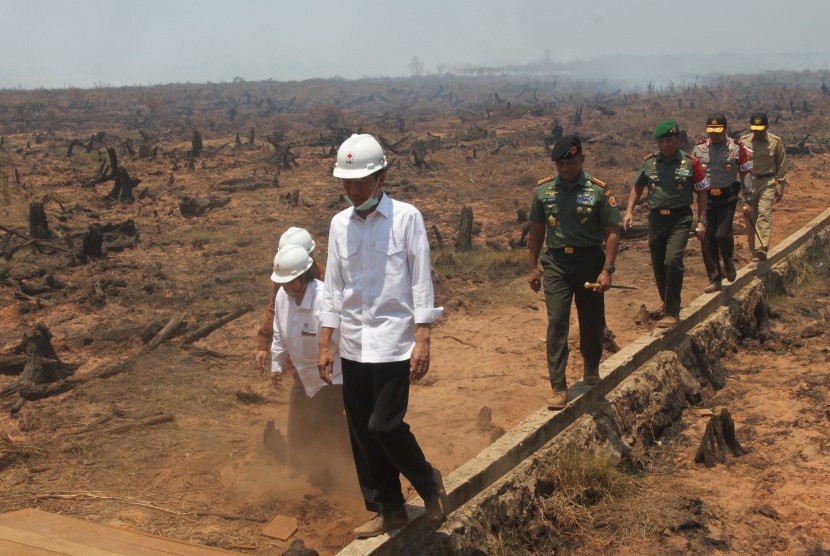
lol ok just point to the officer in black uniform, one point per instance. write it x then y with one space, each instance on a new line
674 180
575 213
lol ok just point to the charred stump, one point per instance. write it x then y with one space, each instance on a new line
199 207
42 363
38 226
124 184
196 142
719 440
92 246
439 239
465 230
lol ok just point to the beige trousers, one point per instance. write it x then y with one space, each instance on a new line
759 226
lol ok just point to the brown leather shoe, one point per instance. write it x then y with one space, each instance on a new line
383 523
558 401
591 377
668 321
714 286
435 506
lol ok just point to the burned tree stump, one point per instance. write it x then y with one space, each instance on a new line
42 363
124 184
465 230
196 142
439 239
199 207
38 226
484 422
92 246
719 440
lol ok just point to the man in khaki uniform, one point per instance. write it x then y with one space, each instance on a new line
769 179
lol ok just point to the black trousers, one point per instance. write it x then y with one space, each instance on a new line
720 239
376 396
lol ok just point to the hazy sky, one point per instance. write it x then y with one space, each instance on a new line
59 43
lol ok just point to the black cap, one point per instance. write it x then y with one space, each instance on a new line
758 121
568 146
716 123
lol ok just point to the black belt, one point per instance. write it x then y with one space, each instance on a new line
762 176
668 211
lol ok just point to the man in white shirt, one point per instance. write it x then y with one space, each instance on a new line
378 294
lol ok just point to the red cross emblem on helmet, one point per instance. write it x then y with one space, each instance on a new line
349 157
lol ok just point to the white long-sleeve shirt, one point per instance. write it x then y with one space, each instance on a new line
378 282
296 331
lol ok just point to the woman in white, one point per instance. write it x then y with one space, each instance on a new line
317 417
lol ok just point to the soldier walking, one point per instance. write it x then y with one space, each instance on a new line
575 213
674 180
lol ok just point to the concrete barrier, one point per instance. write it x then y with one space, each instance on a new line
472 486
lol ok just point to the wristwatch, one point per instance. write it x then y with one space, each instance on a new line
609 268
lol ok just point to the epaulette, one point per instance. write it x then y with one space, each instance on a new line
597 181
649 156
702 141
544 180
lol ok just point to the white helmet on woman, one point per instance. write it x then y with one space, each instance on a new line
297 236
359 156
289 263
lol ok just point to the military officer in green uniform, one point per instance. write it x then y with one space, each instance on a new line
674 180
571 215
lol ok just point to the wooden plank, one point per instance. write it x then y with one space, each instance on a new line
91 535
281 527
11 547
49 543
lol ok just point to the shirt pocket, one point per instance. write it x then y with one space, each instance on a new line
347 252
391 256
308 340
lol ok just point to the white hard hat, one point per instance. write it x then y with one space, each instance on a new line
359 156
289 263
297 236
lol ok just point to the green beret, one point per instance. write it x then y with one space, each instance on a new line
666 129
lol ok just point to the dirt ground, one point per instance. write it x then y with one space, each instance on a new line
205 477
775 498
